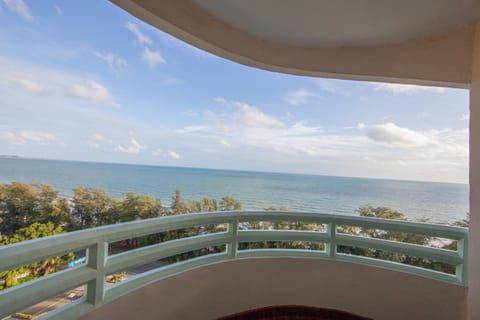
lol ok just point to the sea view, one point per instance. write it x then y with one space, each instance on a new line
203 160
437 202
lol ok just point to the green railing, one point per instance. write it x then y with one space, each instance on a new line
99 263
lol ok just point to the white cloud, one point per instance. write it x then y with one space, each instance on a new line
397 88
19 7
247 126
380 150
245 114
250 116
96 140
465 116
11 138
37 137
173 155
166 154
153 58
94 92
334 86
299 97
390 133
29 85
273 141
157 152
134 147
58 10
56 82
115 63
141 38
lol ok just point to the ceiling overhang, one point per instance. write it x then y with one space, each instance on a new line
433 48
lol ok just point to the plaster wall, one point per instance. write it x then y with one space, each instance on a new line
230 287
474 252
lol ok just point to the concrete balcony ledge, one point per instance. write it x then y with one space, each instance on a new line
226 288
235 280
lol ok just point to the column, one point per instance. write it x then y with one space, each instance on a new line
474 249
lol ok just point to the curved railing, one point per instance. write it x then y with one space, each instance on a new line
100 264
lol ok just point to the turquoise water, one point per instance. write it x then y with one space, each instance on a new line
439 202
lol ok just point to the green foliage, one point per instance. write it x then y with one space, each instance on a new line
228 203
380 212
387 213
384 213
92 207
36 230
118 277
29 211
178 204
194 205
133 206
23 204
208 204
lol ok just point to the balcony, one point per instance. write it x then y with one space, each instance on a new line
220 283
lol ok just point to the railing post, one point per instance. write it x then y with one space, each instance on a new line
461 271
232 245
97 255
331 246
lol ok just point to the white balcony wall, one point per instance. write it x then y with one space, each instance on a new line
226 288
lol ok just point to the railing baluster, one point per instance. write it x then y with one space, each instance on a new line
331 246
97 256
232 246
461 270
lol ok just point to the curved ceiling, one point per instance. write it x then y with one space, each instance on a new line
427 42
343 23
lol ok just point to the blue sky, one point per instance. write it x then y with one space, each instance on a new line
84 80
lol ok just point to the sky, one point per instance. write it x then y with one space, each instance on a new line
85 80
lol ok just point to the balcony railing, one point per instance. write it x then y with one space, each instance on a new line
100 264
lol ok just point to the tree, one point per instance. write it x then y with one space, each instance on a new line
228 203
23 204
51 207
17 206
178 204
387 213
134 206
194 205
92 207
208 205
36 230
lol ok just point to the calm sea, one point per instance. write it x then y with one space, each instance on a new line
439 202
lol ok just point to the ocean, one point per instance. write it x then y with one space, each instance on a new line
437 202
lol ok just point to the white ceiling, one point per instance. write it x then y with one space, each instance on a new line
343 23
